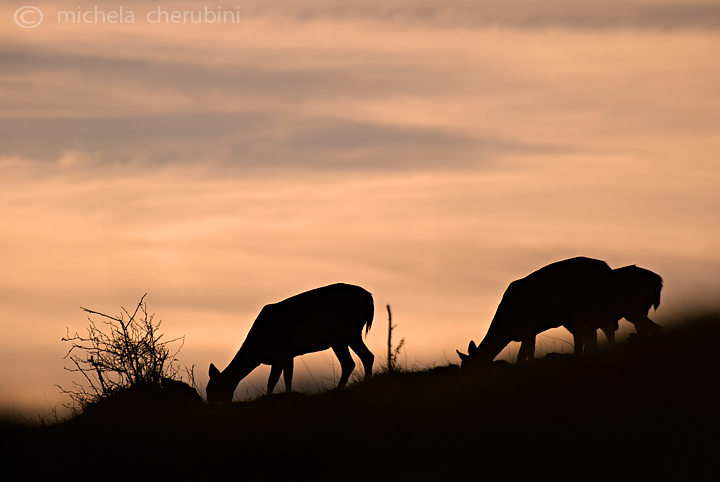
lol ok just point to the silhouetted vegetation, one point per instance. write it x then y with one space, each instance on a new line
646 410
392 353
124 352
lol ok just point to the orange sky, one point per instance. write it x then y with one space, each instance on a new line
430 154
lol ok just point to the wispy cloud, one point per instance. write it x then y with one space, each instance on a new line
583 14
379 99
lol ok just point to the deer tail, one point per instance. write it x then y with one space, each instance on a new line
659 287
369 314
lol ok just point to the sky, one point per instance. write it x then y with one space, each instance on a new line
430 152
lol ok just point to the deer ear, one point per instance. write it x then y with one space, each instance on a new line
213 371
471 347
462 356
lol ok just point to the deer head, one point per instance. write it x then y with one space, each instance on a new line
219 390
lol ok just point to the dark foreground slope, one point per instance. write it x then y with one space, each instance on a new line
648 410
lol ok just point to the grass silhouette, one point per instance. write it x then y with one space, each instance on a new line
648 409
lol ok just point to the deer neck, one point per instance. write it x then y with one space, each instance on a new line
242 364
493 343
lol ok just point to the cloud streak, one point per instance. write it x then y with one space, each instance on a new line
432 99
583 14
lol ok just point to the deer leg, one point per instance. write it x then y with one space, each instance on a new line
346 362
287 375
590 340
527 349
365 355
274 377
609 331
644 325
578 342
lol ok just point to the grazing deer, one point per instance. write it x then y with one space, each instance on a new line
328 317
636 291
633 291
581 294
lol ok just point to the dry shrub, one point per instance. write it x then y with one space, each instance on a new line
122 352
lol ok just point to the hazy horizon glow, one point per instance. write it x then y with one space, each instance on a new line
429 154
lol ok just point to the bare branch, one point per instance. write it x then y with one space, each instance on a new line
128 351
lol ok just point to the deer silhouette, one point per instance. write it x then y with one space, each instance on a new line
581 294
328 317
634 291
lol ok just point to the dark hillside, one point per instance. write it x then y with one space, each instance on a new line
647 410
